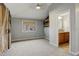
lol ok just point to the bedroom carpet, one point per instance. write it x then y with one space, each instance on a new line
37 47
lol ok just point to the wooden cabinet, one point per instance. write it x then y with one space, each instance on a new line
63 37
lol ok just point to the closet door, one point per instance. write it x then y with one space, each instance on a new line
4 33
0 15
5 40
1 24
9 30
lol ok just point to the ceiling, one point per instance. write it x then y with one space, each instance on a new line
27 10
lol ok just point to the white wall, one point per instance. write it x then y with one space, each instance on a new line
46 32
66 21
74 30
17 33
53 28
77 28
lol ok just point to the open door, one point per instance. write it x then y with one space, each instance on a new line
9 30
5 40
64 30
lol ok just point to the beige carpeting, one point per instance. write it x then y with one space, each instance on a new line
0 46
38 47
65 47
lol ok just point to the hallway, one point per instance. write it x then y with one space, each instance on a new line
38 47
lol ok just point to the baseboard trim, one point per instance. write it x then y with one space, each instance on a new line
53 44
24 39
73 53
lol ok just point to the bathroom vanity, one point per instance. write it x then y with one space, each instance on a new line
63 37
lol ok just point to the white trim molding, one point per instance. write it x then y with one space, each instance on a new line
23 39
53 44
74 53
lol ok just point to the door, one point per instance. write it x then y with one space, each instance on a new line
9 31
5 33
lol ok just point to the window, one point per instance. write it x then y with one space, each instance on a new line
29 26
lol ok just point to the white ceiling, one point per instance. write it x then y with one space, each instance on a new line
27 10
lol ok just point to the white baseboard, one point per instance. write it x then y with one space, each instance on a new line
22 39
53 44
74 53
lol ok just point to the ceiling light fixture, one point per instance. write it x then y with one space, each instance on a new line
38 6
59 17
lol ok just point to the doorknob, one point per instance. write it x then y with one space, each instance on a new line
8 30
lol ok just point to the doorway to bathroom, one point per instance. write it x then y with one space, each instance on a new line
63 17
64 30
61 31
